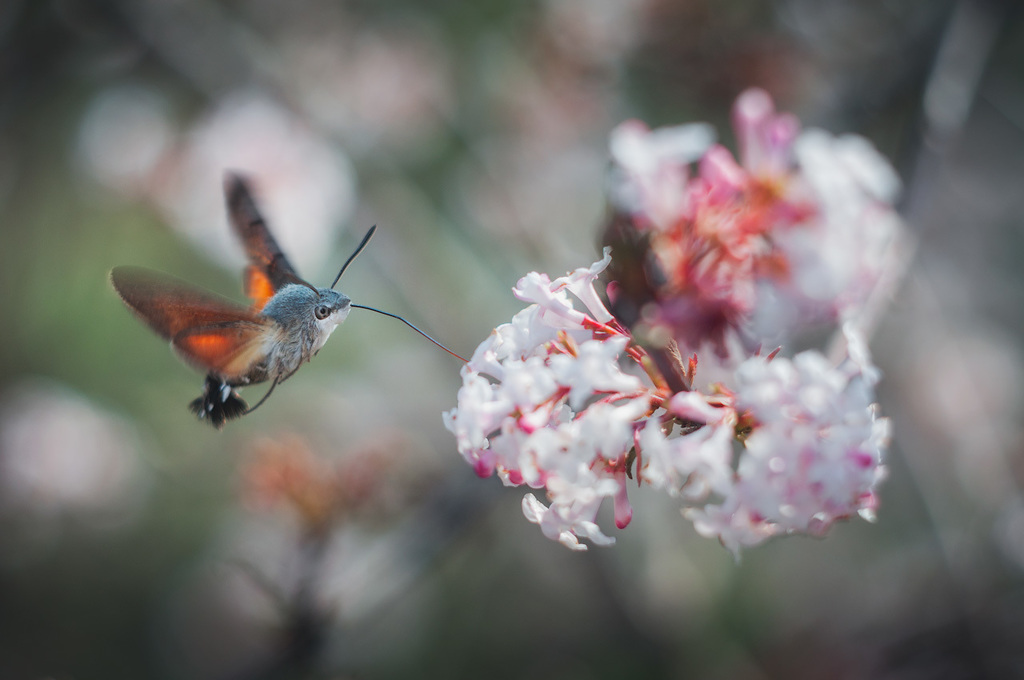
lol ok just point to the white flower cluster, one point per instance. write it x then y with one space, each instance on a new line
790 446
813 454
546 403
835 257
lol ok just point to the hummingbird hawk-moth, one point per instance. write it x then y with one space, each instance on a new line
287 323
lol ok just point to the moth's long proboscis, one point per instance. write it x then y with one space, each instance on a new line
395 316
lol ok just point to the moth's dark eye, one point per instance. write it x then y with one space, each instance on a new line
322 311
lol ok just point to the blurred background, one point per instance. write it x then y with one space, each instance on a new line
336 533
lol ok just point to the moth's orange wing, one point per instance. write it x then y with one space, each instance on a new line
269 270
169 305
209 331
229 350
258 287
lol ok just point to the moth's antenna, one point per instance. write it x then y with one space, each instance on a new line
395 316
359 249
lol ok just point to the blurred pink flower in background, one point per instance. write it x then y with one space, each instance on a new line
62 455
124 137
745 254
382 90
128 142
306 185
594 32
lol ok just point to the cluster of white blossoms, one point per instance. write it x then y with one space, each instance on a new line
545 402
562 399
578 400
812 454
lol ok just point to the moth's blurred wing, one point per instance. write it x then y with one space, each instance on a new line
170 305
269 269
230 349
209 331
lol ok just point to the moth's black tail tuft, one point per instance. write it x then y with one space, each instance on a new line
218 403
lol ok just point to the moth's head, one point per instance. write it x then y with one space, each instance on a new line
300 306
331 307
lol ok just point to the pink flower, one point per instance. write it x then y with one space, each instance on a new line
813 455
545 402
567 524
740 255
653 169
690 465
765 137
553 303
